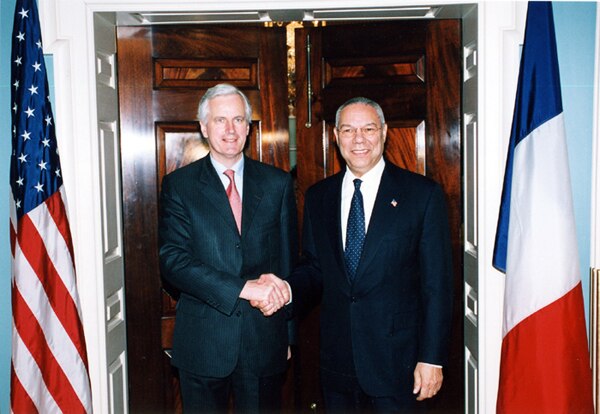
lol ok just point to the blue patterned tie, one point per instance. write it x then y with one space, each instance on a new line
355 233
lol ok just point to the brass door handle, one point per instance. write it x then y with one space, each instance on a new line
309 91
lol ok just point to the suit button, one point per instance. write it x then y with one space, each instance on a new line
238 313
353 299
237 245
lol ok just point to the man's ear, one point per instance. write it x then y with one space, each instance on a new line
203 130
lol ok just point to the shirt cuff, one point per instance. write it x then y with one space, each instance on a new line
432 365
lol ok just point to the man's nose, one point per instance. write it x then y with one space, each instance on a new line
359 137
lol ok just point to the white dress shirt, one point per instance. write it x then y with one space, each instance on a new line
238 168
368 188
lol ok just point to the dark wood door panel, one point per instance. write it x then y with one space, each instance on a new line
201 73
140 217
405 147
401 103
375 39
206 41
163 72
412 69
178 144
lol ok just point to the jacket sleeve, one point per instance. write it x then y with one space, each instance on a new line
435 261
306 279
288 229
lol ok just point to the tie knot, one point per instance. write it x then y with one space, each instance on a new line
229 174
357 183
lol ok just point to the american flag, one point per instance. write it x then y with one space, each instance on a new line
49 370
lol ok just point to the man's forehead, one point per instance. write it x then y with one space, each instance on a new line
358 112
231 105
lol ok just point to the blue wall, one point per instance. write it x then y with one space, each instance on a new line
575 37
575 32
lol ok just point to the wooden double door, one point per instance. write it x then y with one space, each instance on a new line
411 68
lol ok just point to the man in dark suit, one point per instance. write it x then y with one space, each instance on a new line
225 222
377 255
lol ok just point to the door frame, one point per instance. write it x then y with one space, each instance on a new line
68 32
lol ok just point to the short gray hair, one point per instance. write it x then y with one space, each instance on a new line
360 100
222 89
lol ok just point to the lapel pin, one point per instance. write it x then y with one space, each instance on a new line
394 203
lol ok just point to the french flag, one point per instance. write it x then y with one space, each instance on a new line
545 364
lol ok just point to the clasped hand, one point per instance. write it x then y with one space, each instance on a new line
268 293
428 381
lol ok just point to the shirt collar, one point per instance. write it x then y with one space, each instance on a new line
238 167
373 176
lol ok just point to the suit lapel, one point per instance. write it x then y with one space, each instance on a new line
213 190
382 218
253 194
332 211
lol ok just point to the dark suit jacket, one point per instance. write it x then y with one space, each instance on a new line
205 258
397 311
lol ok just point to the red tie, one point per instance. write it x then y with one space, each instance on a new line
234 199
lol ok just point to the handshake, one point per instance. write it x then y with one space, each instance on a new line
268 293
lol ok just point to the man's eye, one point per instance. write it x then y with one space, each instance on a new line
368 130
239 120
219 120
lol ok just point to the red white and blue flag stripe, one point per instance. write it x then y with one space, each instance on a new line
49 368
545 365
